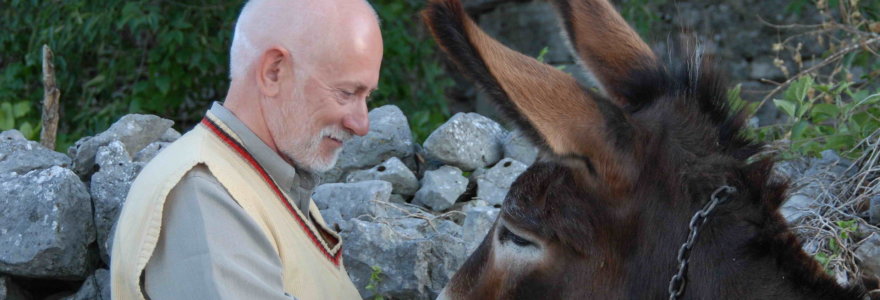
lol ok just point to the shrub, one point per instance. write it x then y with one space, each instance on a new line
170 58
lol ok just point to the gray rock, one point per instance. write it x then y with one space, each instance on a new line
10 291
441 188
134 131
389 136
341 202
109 188
96 287
20 155
797 207
492 186
396 198
403 181
150 151
170 135
874 208
764 69
47 225
467 141
518 147
478 221
868 254
416 257
832 162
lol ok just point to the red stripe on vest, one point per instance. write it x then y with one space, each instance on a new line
250 159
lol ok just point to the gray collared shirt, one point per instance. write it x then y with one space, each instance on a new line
209 247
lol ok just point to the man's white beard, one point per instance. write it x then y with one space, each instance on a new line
308 156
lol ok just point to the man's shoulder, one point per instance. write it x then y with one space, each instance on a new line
199 177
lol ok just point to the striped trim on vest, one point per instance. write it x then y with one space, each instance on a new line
233 143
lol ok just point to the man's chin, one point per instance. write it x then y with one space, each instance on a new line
320 165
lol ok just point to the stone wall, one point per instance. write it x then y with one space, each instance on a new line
410 213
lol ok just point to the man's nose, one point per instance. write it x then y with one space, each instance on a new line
357 121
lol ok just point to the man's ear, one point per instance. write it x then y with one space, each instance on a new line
272 67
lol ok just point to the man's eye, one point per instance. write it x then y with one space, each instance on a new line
506 235
346 94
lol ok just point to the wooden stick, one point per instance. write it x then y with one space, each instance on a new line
50 101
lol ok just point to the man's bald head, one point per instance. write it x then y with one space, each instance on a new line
310 30
301 71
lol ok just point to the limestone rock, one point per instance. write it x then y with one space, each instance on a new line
134 131
874 208
20 155
797 207
342 202
389 136
492 186
150 151
441 188
868 254
415 258
518 147
478 221
467 141
96 287
109 188
46 226
169 136
403 181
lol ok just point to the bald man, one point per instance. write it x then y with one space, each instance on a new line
225 211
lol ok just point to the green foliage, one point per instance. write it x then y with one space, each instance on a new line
411 76
375 279
116 57
825 116
844 229
16 116
641 14
170 58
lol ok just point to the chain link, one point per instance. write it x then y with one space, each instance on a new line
677 283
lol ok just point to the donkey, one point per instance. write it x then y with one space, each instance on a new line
647 178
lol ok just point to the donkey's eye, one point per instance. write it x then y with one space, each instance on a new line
506 235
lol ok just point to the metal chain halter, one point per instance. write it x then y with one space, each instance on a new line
678 281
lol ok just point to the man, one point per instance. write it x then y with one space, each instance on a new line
224 212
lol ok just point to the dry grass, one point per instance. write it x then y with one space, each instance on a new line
838 223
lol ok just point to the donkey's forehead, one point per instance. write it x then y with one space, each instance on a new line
545 195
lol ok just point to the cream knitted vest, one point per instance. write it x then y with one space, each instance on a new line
312 269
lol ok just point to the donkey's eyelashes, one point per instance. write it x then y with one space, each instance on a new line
505 235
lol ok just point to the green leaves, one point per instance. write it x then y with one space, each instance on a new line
788 107
411 77
15 116
117 57
827 116
375 279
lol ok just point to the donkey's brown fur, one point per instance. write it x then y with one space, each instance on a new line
603 213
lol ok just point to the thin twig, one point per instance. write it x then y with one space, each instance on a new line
51 94
834 57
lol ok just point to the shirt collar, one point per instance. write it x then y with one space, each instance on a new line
285 175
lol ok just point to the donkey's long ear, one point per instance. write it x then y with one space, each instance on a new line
625 66
547 103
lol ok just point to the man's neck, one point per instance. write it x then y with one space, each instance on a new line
249 110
